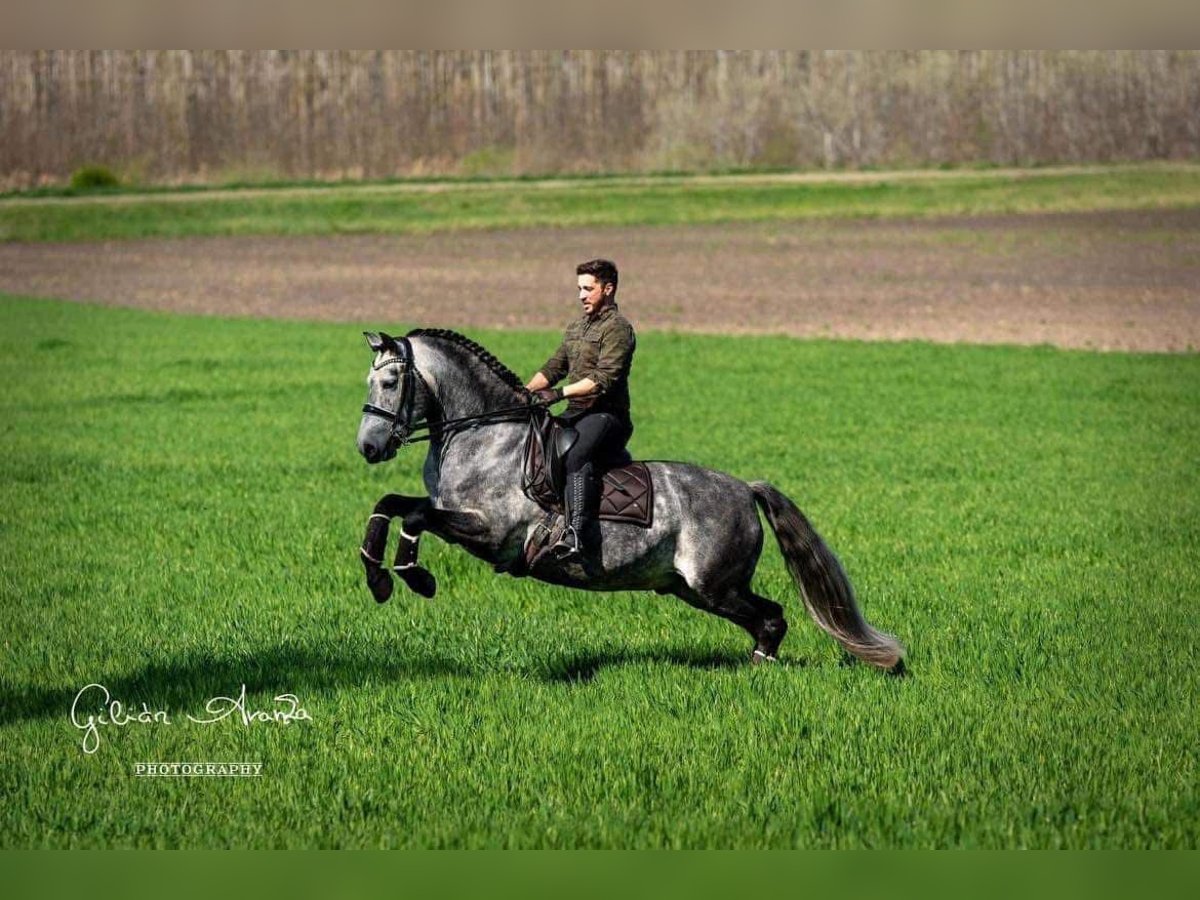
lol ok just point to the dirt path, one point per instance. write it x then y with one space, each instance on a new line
1114 281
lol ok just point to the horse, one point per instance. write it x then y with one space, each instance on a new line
702 546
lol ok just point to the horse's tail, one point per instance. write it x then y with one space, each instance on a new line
823 584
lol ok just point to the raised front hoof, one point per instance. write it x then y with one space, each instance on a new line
420 580
759 658
380 583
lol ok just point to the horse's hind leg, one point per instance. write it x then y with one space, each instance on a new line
717 567
771 630
762 618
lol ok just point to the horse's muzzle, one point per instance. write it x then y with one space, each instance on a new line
374 453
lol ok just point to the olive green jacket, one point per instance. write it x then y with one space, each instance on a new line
600 349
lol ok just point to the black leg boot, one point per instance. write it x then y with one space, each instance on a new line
577 497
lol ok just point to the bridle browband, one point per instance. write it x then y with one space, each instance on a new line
401 418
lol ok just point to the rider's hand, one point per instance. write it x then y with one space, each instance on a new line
548 396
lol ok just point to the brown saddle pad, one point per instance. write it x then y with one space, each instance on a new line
627 495
626 491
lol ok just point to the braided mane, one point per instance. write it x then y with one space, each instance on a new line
499 369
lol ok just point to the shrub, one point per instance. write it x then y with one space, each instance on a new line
488 161
90 177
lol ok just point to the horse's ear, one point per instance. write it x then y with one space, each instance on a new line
389 342
374 341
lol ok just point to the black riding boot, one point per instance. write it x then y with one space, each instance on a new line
577 496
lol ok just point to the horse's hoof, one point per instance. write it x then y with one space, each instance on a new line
758 657
420 580
380 583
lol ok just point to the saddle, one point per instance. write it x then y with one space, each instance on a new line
626 489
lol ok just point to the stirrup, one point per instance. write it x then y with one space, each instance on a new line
568 545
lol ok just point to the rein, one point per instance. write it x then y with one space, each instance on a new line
402 417
467 423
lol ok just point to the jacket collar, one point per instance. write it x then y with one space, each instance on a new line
602 315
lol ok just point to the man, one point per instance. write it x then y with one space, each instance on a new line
595 356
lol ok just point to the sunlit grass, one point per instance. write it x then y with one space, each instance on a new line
181 511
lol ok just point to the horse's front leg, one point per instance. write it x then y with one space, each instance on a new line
417 515
412 513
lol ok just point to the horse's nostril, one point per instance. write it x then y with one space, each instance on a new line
369 451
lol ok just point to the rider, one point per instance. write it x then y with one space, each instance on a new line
595 356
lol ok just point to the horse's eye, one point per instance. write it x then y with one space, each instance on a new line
388 384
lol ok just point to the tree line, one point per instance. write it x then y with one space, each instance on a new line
163 116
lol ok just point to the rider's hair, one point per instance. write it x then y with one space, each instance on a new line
603 270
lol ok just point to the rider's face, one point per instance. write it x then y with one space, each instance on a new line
592 293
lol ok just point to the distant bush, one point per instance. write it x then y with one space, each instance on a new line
488 161
91 177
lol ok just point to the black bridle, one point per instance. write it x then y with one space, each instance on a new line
404 429
401 416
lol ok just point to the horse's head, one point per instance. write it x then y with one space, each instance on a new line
459 381
395 401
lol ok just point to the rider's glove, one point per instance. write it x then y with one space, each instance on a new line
548 395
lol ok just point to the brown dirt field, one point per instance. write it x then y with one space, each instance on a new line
1111 281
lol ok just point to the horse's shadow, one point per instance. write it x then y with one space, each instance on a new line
187 684
582 668
192 681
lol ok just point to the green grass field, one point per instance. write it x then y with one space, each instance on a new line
591 202
182 507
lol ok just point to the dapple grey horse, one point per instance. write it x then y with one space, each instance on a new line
703 544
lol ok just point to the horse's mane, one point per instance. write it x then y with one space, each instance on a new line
499 369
